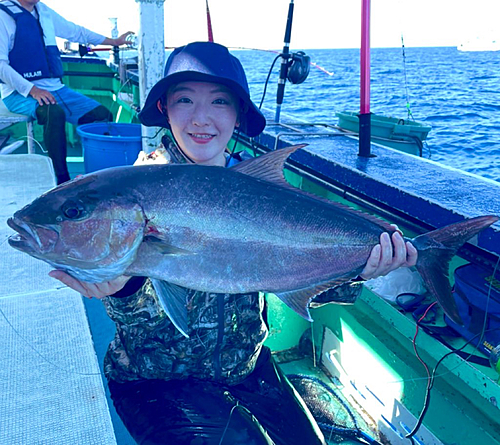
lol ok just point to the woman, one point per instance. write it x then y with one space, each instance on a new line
219 385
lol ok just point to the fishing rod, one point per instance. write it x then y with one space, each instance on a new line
285 55
294 66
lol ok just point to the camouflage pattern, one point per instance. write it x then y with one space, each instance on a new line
148 346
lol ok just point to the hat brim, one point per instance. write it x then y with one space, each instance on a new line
150 115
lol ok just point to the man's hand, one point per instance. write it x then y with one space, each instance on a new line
89 290
43 97
122 40
388 256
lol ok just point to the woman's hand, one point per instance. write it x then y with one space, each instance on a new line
89 290
388 256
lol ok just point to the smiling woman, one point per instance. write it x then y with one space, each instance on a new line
202 117
188 362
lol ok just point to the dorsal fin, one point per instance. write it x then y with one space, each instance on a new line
269 166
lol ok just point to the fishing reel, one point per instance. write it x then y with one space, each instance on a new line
298 67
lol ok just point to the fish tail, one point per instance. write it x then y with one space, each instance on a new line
435 251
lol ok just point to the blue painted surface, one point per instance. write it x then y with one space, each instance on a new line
430 192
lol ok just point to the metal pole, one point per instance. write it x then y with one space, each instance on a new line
151 58
209 25
114 35
364 110
285 56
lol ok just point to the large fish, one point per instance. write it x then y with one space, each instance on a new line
221 230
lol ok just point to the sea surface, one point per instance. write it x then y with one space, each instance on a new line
457 93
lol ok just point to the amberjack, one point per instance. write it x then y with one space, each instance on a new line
225 230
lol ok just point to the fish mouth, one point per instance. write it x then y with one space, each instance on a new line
26 239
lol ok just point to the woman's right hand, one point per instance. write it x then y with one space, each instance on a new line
89 290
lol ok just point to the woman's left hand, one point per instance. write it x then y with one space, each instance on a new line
388 256
89 290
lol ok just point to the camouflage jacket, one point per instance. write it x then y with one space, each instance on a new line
226 332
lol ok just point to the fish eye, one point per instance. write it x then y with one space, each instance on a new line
73 209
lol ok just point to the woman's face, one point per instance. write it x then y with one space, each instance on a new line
202 117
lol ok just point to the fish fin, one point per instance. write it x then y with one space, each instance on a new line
435 251
173 300
299 299
269 166
163 247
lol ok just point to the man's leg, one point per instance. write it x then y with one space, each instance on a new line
53 120
98 114
79 108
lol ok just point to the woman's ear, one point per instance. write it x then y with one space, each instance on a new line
162 108
241 113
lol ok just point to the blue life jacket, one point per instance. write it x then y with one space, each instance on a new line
30 57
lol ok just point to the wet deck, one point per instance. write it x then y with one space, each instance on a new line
51 391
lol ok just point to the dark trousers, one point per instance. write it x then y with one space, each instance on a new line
53 120
263 410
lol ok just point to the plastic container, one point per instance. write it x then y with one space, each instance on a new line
386 127
107 144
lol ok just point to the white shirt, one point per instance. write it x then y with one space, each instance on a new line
54 26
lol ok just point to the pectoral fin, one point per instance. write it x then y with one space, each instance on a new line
164 247
173 301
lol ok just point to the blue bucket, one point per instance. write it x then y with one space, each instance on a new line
106 144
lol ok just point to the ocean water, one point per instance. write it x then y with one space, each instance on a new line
457 93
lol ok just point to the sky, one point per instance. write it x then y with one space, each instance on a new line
316 23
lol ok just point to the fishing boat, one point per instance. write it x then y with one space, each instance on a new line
398 133
386 376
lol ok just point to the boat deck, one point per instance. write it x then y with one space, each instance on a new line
51 391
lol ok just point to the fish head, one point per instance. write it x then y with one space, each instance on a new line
90 230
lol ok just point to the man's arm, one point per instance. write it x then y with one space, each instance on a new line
75 33
119 41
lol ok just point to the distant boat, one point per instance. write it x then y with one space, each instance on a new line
480 44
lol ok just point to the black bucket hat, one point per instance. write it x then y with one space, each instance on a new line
204 62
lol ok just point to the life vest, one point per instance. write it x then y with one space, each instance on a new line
30 57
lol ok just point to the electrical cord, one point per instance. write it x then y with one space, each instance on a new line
432 376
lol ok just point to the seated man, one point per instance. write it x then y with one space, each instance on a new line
31 71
